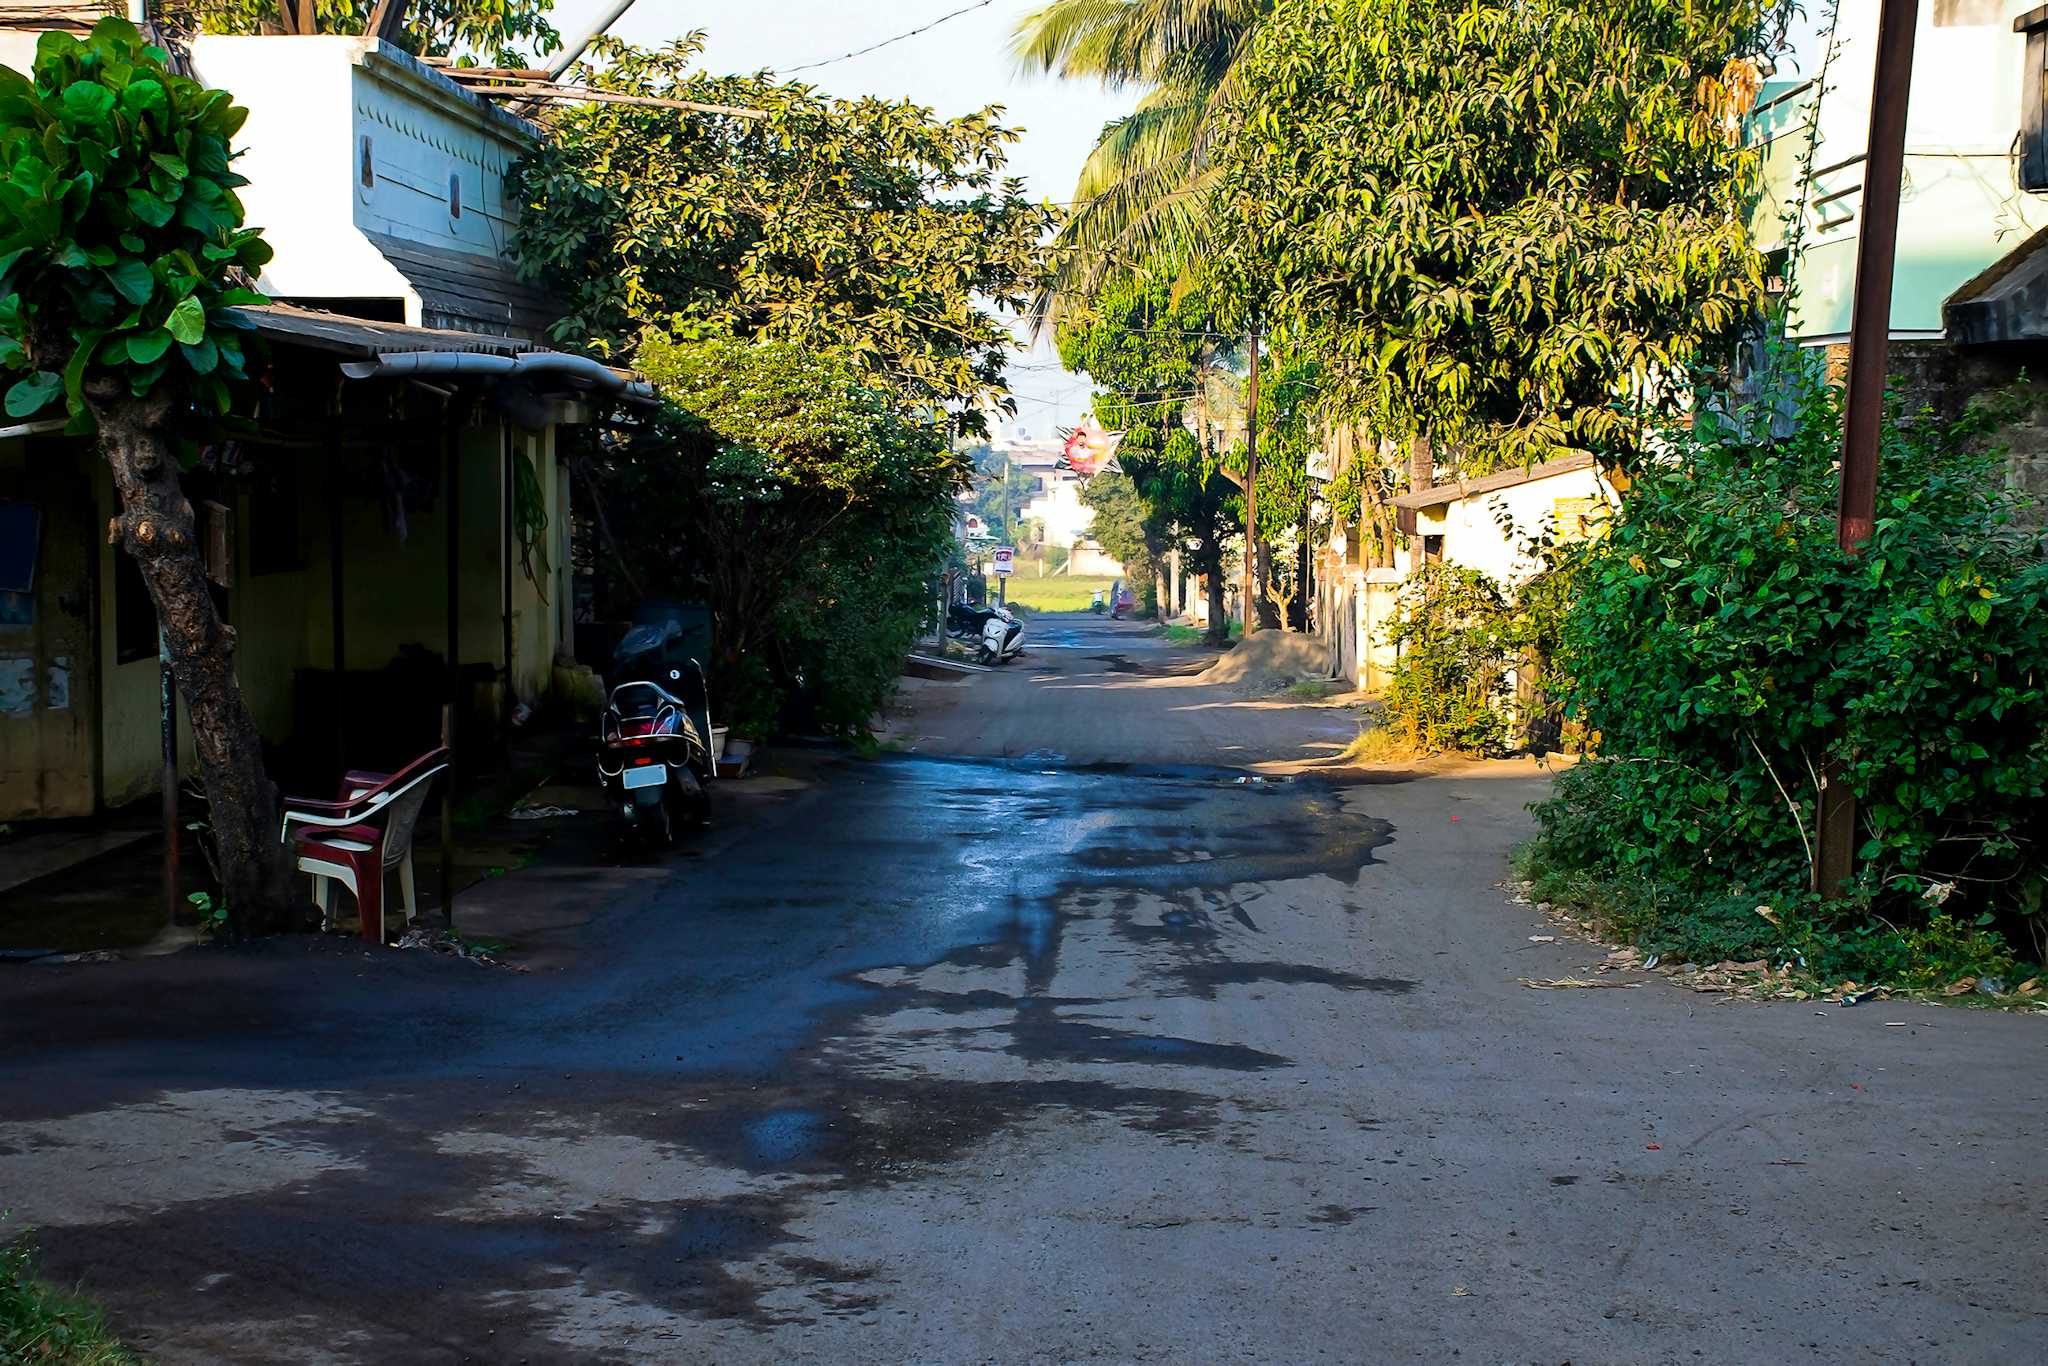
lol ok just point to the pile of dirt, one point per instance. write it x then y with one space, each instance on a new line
1271 661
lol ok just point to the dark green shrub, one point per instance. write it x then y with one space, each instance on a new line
1726 652
1456 641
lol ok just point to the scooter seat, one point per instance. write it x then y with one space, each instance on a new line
660 694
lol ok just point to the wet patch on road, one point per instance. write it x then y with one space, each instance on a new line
1041 1035
1202 979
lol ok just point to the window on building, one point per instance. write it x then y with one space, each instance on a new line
1575 518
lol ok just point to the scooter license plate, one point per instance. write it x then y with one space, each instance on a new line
646 775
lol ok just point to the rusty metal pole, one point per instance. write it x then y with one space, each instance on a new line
1251 492
1877 242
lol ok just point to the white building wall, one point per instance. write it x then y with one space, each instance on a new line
296 150
314 103
1060 510
1491 532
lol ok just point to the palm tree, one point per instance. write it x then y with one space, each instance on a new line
1140 193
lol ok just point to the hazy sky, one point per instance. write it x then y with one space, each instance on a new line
961 65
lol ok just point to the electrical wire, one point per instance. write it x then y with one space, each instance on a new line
875 47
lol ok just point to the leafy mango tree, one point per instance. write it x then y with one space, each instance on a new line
1509 227
1151 350
849 262
867 229
121 251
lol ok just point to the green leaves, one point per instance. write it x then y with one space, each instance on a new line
145 347
187 322
1490 223
132 280
865 229
28 396
119 224
153 211
1717 634
87 102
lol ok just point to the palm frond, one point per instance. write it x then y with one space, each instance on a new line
1163 131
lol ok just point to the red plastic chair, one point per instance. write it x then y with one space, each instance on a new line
357 839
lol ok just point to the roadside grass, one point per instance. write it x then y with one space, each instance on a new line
1377 745
1311 689
1808 948
1180 634
40 1324
1055 592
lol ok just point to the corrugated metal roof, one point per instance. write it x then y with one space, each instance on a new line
361 337
468 291
1465 488
36 15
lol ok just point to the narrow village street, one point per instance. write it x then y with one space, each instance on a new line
1068 1050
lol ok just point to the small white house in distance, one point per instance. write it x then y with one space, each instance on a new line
1486 523
1489 523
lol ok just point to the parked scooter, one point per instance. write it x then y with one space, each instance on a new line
654 739
1095 603
997 636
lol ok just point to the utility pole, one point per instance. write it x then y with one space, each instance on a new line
1891 86
1251 490
1003 580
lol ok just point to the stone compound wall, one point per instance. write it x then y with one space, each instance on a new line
1936 375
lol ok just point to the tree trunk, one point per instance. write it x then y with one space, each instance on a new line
1304 579
156 527
1210 564
1262 583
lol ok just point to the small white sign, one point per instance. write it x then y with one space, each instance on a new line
1006 560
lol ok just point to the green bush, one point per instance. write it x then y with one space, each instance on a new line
1456 640
1727 653
37 1324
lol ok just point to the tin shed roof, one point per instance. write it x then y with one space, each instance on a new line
1439 494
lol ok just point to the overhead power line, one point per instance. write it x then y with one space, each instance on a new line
875 47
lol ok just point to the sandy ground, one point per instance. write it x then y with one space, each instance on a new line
1114 1056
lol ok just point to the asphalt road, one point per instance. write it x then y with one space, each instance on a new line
1029 1060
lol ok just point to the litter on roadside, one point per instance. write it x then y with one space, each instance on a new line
1857 998
1568 983
1542 939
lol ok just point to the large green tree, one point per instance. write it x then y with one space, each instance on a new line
121 240
1127 526
861 247
797 499
1509 225
866 228
1153 352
